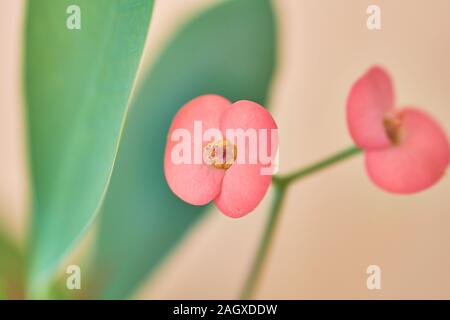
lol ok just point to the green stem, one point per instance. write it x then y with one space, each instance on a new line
306 171
281 183
258 263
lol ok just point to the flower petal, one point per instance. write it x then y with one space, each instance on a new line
195 183
247 115
418 162
243 188
370 99
246 182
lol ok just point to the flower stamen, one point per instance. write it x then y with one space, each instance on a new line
220 154
392 126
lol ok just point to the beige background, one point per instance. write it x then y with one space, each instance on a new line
13 185
334 224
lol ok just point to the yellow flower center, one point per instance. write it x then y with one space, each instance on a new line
392 126
220 154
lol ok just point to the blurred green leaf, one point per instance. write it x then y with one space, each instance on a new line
78 84
11 269
228 50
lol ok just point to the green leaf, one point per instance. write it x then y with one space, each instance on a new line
78 84
11 269
228 50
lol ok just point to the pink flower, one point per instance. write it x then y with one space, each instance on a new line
220 167
405 149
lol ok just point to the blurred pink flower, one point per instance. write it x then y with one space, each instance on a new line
236 187
406 151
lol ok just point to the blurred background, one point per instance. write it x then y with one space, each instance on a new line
334 224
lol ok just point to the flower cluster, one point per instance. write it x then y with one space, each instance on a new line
406 151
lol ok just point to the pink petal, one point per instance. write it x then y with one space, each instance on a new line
250 115
370 99
197 184
418 162
243 188
244 185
